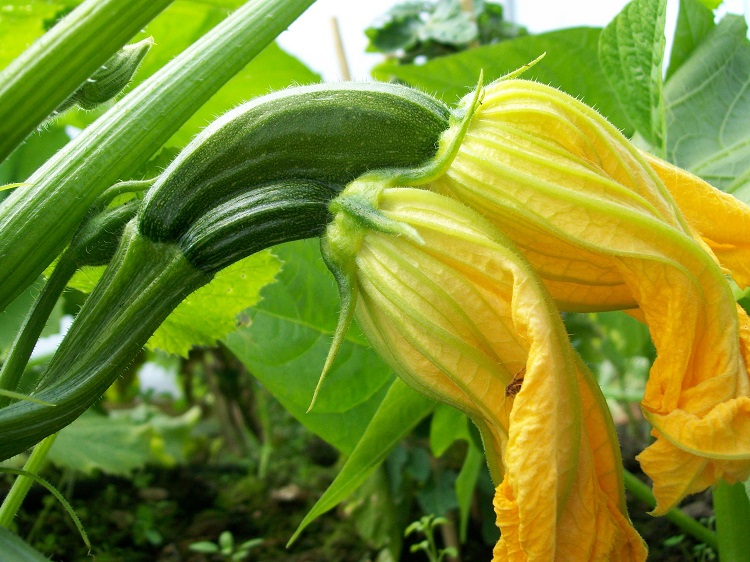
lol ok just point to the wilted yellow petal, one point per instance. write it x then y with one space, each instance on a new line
599 226
720 219
458 313
596 525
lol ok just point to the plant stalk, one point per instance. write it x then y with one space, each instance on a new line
140 288
39 217
14 499
34 84
732 511
23 345
643 493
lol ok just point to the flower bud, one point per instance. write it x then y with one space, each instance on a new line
110 78
595 220
457 312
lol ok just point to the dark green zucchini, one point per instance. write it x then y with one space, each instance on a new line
328 134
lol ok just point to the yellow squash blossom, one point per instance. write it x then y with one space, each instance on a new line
458 313
593 216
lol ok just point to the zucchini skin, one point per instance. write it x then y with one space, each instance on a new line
253 220
327 134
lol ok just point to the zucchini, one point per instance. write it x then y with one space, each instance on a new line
327 133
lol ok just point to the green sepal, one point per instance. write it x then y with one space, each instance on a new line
344 274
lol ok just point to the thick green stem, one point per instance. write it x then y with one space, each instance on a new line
38 219
14 499
732 511
643 493
23 345
45 74
144 283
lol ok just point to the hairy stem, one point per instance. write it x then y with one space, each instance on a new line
14 499
40 216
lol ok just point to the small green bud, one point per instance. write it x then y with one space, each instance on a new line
110 79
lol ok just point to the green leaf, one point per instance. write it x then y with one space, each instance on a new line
631 50
396 29
448 425
37 148
707 102
13 547
11 319
288 339
204 547
693 24
95 442
85 279
438 494
449 24
453 76
465 484
374 512
211 312
22 22
122 442
401 410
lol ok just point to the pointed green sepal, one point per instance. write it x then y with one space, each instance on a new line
345 279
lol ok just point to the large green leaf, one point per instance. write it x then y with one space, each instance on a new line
571 64
631 50
466 483
401 410
22 22
287 341
707 102
11 319
210 312
448 425
12 547
123 441
694 22
34 152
